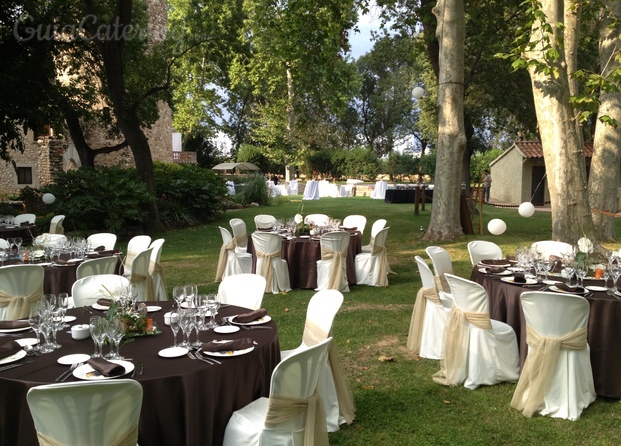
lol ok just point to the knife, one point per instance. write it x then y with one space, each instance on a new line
12 366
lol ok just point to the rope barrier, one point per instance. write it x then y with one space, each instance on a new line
609 214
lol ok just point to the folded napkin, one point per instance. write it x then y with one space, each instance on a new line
495 269
60 262
9 325
519 278
9 348
106 368
249 317
237 344
557 264
24 223
569 289
104 302
511 258
100 248
494 262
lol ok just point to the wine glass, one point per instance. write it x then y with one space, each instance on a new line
191 290
616 273
11 242
115 332
98 326
201 304
213 304
3 255
185 323
174 326
581 270
35 319
63 303
179 294
18 242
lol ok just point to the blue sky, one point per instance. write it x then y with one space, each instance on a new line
361 41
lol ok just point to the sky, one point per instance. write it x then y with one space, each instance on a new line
361 41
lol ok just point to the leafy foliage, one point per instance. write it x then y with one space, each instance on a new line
253 189
356 163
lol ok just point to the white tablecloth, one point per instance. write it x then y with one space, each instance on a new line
311 191
380 190
327 189
293 187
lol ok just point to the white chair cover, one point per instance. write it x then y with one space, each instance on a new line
311 190
317 219
240 234
268 247
477 350
24 218
91 267
56 224
426 337
87 291
135 245
229 262
282 189
332 268
549 248
263 221
327 189
345 190
140 277
271 189
156 271
359 222
242 290
105 239
483 250
102 413
379 192
20 286
47 239
4 244
230 187
377 226
442 264
372 267
292 187
293 414
556 379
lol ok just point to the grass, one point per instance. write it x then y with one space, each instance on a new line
397 401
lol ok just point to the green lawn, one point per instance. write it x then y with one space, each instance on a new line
397 401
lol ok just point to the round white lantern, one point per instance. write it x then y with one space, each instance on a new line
48 198
418 92
496 226
526 209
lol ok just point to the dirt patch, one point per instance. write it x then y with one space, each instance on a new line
366 307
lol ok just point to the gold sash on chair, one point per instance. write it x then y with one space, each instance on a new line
157 270
442 284
456 344
338 266
128 439
241 240
18 307
267 268
384 268
230 246
137 279
281 409
418 317
540 365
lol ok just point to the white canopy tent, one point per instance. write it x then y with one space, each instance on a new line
242 167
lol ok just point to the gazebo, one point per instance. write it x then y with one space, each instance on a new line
240 167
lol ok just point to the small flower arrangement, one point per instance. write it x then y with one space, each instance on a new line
300 227
135 318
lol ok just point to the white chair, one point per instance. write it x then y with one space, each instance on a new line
332 268
91 267
156 272
311 190
4 244
549 248
442 264
372 267
229 262
105 239
556 379
47 239
264 221
25 218
379 192
483 250
140 277
426 337
102 413
268 247
477 350
88 290
292 415
357 221
316 219
135 245
376 227
20 286
292 187
242 290
240 234
56 224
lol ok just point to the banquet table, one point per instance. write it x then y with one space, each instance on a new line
604 330
302 253
27 232
311 190
185 401
379 192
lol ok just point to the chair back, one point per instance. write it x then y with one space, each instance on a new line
356 221
91 267
441 260
264 221
88 290
379 241
549 248
238 226
135 245
140 275
468 295
483 250
87 413
56 224
20 285
322 309
337 241
266 242
156 271
554 314
377 226
426 276
316 219
48 239
242 290
25 218
156 254
105 239
4 244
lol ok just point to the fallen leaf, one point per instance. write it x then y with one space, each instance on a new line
446 401
286 310
386 358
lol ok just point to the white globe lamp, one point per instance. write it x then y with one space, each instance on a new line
418 92
496 226
48 198
526 209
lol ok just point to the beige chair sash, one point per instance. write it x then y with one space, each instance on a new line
456 344
267 269
442 284
338 266
137 279
156 269
18 307
282 408
540 365
384 268
129 439
129 259
230 246
241 240
418 317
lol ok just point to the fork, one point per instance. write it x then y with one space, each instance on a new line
200 358
63 376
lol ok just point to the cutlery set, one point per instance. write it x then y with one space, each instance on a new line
200 357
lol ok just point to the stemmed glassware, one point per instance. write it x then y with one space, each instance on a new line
581 270
213 304
570 269
191 290
201 304
11 242
174 326
98 327
615 270
115 331
18 243
185 323
63 303
36 321
179 294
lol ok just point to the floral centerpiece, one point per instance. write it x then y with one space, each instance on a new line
300 227
134 317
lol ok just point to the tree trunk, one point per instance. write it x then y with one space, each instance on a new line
290 120
605 167
572 25
562 150
445 223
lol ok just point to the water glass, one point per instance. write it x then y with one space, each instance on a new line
98 327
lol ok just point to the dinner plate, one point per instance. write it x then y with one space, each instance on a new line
558 290
24 342
15 357
305 236
87 373
502 273
14 330
153 308
500 265
186 305
226 329
510 280
596 288
69 318
227 354
263 320
96 306
73 359
173 352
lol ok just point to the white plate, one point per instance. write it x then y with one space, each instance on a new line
96 306
510 280
69 318
153 308
44 263
173 352
27 341
74 260
14 330
16 357
83 371
549 282
229 353
502 265
186 305
502 273
596 288
263 320
226 329
558 290
73 359
302 236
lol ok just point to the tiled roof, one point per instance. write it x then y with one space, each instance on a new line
533 149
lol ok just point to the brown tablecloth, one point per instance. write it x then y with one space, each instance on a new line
302 254
27 233
604 331
185 402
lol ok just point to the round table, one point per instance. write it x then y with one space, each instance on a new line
185 401
27 232
604 330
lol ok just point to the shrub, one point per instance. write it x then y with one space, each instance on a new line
253 189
